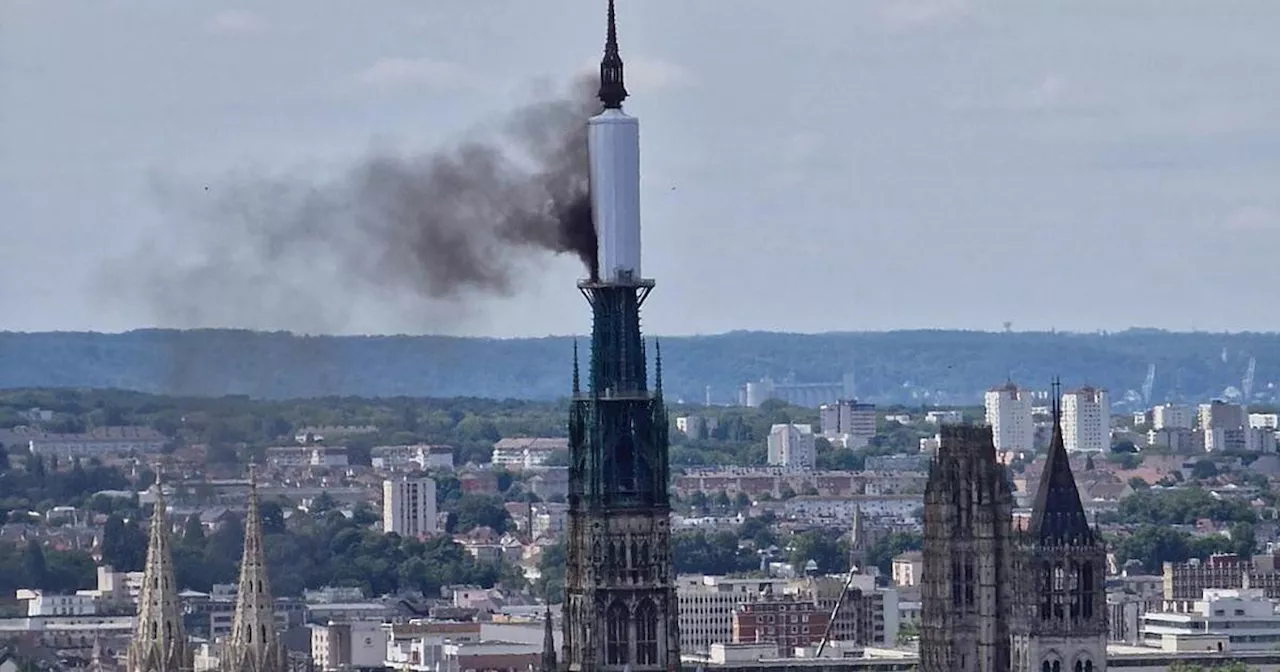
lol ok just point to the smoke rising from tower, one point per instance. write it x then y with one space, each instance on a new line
410 230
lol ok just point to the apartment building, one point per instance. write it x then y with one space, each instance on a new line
792 446
785 621
1008 411
848 423
1172 416
409 506
1086 420
707 605
521 452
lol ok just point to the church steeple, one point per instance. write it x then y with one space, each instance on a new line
159 643
549 663
612 90
254 645
1058 516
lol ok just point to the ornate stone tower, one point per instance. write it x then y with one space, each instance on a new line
254 645
1060 624
620 598
966 590
159 642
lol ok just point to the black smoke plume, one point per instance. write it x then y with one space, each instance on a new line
408 230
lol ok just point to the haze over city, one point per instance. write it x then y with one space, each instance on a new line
824 165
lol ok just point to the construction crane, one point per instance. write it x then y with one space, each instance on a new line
835 611
1148 384
1246 385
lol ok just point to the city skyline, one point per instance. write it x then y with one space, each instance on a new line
953 130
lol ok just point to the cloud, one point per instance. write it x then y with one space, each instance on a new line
656 74
413 73
236 21
910 13
1051 92
1253 219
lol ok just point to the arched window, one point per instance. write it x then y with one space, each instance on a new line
616 640
262 631
1046 596
1088 666
1057 666
1059 587
1073 592
647 634
1045 667
1079 666
624 463
248 635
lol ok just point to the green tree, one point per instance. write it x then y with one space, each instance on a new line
820 547
33 564
193 531
472 511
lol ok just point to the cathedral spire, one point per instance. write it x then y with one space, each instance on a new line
159 643
612 91
254 645
549 663
1058 517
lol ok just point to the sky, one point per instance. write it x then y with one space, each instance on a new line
818 165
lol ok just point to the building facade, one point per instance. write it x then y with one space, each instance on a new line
966 587
409 506
848 422
620 607
1008 412
1086 420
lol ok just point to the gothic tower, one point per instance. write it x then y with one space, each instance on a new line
966 590
620 598
254 645
1060 624
159 642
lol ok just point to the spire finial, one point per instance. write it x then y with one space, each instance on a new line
612 91
576 383
657 350
1056 401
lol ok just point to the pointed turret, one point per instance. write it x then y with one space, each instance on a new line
159 643
657 373
549 663
612 90
1058 517
254 645
577 385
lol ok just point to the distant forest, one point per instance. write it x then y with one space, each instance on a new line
903 367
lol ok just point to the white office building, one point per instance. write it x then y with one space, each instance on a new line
1171 416
409 506
849 423
792 446
1222 415
707 604
1243 617
1086 420
1009 414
